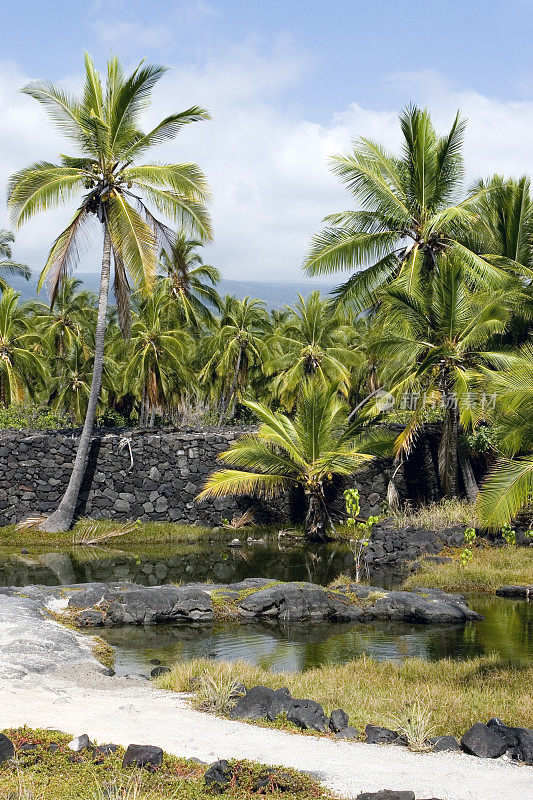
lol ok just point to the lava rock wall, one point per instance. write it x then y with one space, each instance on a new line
146 475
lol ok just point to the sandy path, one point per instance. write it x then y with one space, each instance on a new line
122 711
50 679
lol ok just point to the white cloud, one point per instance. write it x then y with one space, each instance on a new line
266 163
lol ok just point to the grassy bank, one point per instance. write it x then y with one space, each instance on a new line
130 534
456 693
436 516
41 774
489 568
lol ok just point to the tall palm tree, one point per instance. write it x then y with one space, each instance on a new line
191 283
114 193
22 366
311 342
157 356
437 342
235 345
411 216
7 265
509 486
306 451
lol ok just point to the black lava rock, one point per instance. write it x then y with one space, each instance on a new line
7 751
307 714
483 742
377 735
386 794
140 755
106 749
338 720
442 743
518 741
261 702
218 776
157 671
27 747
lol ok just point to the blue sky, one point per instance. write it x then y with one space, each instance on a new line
351 46
288 84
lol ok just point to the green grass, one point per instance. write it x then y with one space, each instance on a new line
437 516
457 693
62 775
148 532
490 568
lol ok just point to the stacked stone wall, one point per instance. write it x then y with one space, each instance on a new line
146 475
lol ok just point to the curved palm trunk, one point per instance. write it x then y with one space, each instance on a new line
448 447
62 518
316 518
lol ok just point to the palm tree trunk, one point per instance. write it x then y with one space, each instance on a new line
62 518
232 388
469 479
315 518
448 447
393 495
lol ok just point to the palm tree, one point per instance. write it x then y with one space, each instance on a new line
191 283
504 226
7 265
157 356
71 314
71 387
236 345
438 341
509 486
116 194
410 218
310 343
307 451
22 367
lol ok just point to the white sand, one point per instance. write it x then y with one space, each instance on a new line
124 711
49 679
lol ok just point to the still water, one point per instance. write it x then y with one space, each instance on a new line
506 630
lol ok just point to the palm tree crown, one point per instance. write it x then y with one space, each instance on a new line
7 265
410 215
191 283
305 451
310 342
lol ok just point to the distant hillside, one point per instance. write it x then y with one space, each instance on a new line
275 295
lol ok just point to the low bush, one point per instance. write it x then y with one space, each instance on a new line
43 774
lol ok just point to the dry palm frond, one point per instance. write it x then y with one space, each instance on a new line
30 522
240 520
94 531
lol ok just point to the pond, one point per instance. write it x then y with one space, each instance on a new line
506 630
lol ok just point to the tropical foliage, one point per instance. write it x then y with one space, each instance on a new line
307 451
432 328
